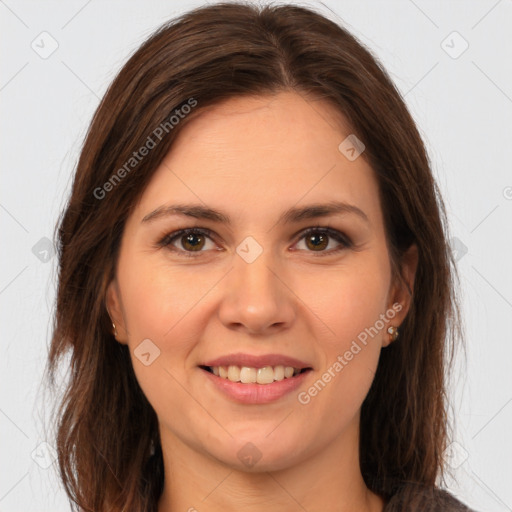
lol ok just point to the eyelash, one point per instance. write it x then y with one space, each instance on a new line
167 240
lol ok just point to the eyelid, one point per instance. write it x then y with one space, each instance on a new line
339 236
167 239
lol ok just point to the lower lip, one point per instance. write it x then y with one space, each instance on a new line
256 393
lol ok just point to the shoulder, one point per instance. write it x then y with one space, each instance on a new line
416 498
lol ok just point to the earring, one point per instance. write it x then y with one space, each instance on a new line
113 324
393 331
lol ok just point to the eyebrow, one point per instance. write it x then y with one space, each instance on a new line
292 215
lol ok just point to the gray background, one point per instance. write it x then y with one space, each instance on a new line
461 100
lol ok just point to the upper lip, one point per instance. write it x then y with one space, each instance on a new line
251 361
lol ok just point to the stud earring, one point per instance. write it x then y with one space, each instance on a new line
113 324
393 332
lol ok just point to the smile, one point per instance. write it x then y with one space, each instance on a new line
252 375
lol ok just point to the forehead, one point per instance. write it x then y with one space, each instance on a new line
256 156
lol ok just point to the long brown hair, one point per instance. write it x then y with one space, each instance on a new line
105 427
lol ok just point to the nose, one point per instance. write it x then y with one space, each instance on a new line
256 298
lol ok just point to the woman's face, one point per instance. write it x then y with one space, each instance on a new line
257 293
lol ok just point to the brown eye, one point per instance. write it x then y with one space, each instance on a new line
187 241
192 242
318 239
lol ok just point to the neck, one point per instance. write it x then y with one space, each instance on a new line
327 481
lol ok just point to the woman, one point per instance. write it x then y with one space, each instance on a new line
255 283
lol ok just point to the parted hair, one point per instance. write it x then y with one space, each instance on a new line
106 432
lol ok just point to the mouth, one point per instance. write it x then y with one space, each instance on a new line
255 379
253 375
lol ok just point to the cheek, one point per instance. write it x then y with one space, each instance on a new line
347 301
157 297
159 303
351 357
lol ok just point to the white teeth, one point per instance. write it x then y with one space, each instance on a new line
249 375
279 373
288 372
265 375
234 373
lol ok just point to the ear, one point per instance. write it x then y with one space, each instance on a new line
115 311
401 293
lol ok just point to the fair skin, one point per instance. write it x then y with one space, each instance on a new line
252 159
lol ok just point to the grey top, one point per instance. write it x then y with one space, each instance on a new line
412 498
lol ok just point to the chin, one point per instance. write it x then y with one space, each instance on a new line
255 454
